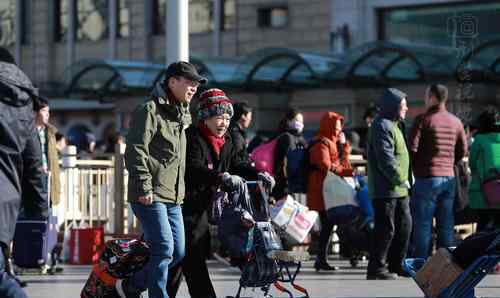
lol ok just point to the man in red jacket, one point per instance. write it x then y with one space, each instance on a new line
437 142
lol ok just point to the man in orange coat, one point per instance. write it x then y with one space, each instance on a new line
329 152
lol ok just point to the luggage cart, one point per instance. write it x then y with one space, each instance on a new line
288 263
464 285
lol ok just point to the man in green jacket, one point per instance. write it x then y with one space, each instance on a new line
155 158
388 185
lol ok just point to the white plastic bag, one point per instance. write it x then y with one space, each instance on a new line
337 192
301 224
284 211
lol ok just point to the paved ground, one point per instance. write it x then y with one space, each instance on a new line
347 282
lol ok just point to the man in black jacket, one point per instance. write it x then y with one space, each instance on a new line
239 124
20 162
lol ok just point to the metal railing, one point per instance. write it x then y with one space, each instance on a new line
93 192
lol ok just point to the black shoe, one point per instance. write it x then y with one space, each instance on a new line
324 266
381 276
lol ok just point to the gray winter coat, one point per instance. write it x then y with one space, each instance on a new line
21 173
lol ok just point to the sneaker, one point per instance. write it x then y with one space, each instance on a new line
120 289
381 276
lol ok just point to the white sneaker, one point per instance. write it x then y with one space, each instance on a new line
119 288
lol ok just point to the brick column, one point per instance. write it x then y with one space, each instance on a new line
41 41
140 29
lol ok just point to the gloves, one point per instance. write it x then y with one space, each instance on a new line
267 180
230 182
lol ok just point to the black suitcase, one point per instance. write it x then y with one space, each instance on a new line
33 243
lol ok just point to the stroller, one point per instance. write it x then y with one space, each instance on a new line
246 232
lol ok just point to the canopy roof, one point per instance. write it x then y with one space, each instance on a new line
372 63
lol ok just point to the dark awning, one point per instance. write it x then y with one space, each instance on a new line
372 64
107 78
481 65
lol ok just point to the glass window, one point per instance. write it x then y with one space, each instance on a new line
440 24
272 17
26 21
123 19
200 15
229 14
61 20
159 12
7 18
92 22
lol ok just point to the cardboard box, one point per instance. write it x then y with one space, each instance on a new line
438 273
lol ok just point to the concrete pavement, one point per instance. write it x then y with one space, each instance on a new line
347 282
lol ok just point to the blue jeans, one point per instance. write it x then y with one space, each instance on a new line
163 229
432 197
9 288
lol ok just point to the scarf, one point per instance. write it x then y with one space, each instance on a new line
214 141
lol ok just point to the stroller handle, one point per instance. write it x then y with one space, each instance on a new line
265 195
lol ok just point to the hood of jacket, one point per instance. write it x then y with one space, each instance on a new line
327 125
389 103
180 111
16 88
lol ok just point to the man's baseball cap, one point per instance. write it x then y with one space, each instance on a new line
186 70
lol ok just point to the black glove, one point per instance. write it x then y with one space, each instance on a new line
267 180
230 182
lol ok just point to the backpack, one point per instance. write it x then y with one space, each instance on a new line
298 167
263 156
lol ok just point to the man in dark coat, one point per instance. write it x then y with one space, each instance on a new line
389 184
21 173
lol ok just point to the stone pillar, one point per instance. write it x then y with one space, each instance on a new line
177 22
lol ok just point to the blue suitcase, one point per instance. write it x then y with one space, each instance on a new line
33 243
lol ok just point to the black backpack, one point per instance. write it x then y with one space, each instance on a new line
299 167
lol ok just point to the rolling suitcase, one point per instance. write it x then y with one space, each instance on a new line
33 243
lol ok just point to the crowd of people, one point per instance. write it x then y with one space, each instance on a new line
176 163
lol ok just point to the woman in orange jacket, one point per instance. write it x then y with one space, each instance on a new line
329 152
